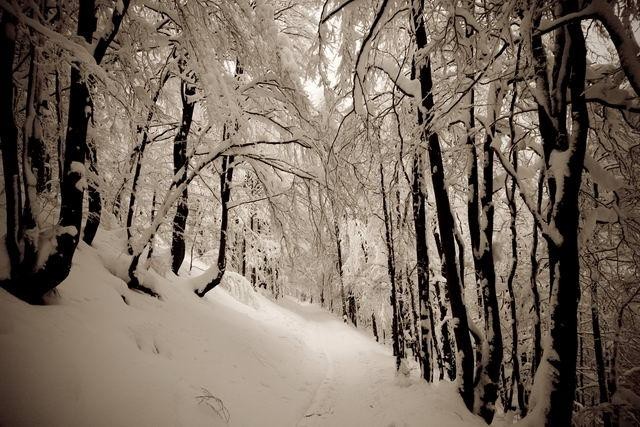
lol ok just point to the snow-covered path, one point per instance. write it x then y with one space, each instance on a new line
103 355
359 387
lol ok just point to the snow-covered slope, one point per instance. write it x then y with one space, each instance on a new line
101 354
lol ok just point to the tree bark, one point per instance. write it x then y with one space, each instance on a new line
422 266
28 280
448 357
597 335
445 216
180 166
511 201
93 191
137 156
9 138
226 178
599 354
533 282
481 222
343 298
374 326
398 350
94 199
564 158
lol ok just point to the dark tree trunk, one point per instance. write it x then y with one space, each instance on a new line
93 192
533 282
597 339
71 192
415 320
422 267
511 193
343 298
9 138
59 129
599 353
481 224
352 307
94 199
153 217
448 357
180 166
243 268
32 155
473 197
36 151
31 282
375 327
515 361
253 268
226 178
444 214
397 259
559 358
397 350
137 156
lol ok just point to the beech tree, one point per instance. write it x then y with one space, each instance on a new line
42 266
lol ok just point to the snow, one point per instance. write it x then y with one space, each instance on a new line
100 354
605 179
407 85
591 217
79 168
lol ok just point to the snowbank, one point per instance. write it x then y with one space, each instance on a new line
239 288
101 354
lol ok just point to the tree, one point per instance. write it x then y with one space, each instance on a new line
38 270
187 92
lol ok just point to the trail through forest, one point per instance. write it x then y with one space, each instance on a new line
359 388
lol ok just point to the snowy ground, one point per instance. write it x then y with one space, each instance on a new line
101 354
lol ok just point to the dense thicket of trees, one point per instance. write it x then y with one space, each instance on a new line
460 178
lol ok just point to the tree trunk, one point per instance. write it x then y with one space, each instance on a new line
533 282
137 156
473 197
94 199
391 268
343 298
9 137
599 353
180 166
71 189
93 192
422 267
564 158
481 224
415 325
226 178
445 217
29 281
243 268
153 217
511 201
597 337
448 357
375 327
352 307
253 268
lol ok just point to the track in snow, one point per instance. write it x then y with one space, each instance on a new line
359 387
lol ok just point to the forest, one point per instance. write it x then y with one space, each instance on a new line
458 180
